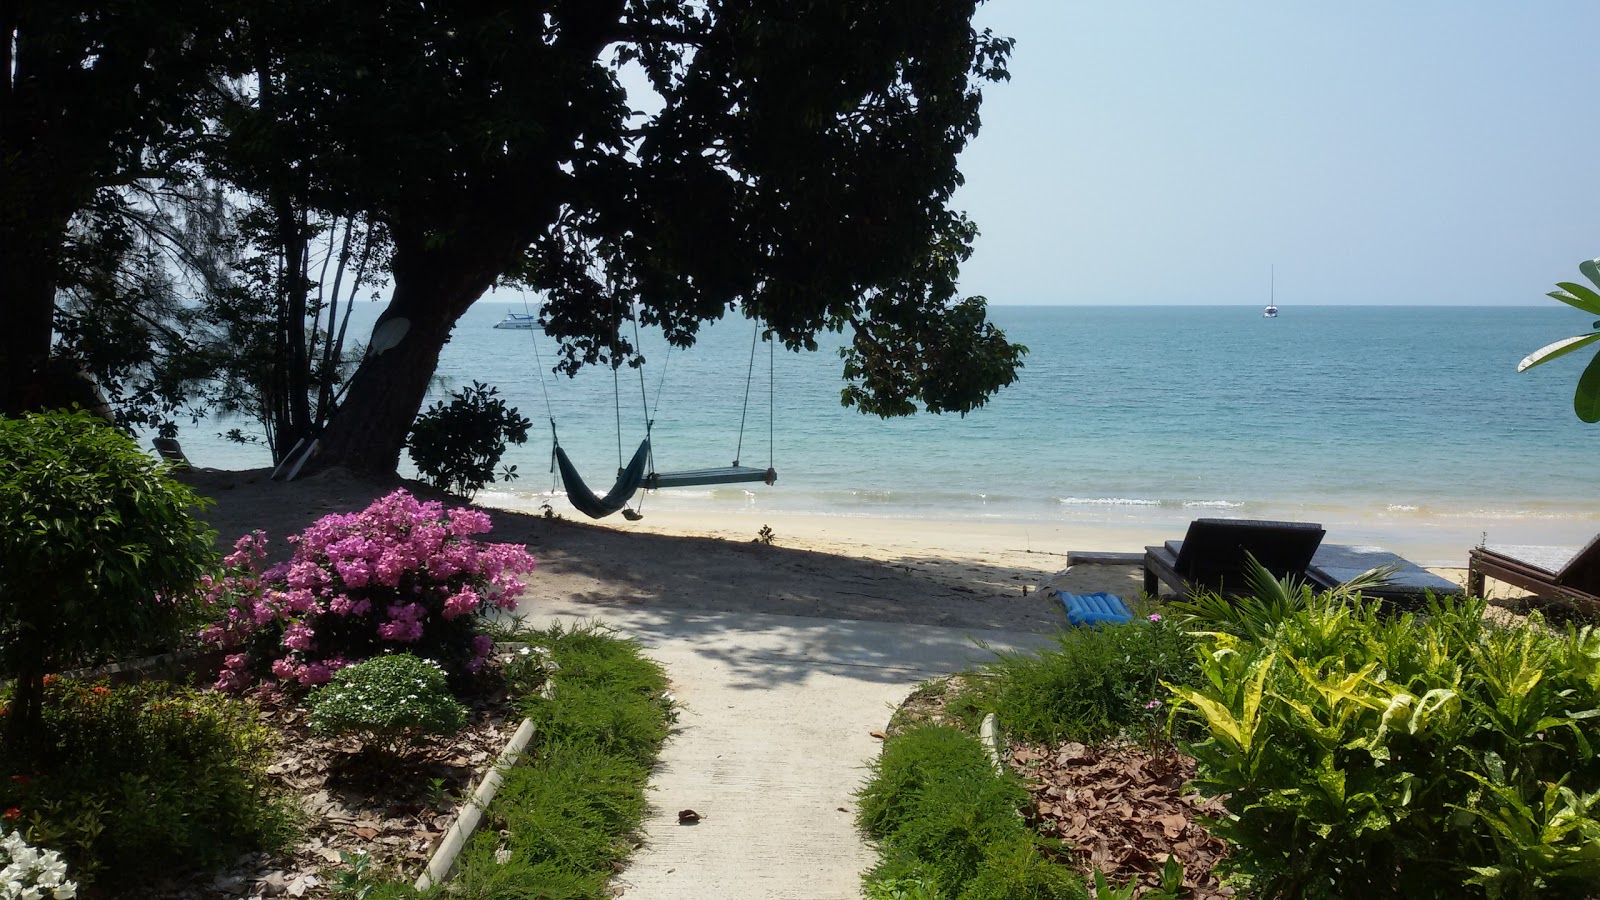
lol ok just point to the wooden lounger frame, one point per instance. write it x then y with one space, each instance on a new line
1578 580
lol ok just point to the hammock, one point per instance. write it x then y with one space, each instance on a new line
584 499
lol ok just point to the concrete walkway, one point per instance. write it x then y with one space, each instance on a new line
772 742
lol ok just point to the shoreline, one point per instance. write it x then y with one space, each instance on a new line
1432 542
822 565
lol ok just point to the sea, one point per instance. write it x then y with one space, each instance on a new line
1401 426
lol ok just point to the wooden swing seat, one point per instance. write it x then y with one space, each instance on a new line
722 475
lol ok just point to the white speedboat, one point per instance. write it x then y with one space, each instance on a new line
519 322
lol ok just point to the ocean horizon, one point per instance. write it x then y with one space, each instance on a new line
1401 426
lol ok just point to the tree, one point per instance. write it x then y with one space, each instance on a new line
799 169
97 550
94 98
1586 400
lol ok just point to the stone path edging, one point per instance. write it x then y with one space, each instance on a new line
470 813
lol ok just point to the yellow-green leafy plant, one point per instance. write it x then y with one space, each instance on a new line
1435 755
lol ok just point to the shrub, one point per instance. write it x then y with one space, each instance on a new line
388 701
949 825
1436 756
456 447
96 547
400 575
1095 683
145 779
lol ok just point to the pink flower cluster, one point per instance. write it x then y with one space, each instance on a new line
400 572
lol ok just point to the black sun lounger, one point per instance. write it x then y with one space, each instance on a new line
1212 555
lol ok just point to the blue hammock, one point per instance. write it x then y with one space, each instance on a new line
584 499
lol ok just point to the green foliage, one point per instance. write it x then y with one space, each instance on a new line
900 888
1412 756
1095 683
1171 887
1256 614
948 824
456 447
145 780
97 545
570 808
104 110
387 701
1586 399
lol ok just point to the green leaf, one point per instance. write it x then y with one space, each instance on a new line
1558 349
1574 294
1591 270
1587 399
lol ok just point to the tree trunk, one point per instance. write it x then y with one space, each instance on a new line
368 431
28 295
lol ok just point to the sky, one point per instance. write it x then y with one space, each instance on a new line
1152 152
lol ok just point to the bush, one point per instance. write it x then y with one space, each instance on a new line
96 548
456 447
387 701
1435 756
948 825
1096 683
400 575
145 779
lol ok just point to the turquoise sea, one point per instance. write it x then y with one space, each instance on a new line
1396 425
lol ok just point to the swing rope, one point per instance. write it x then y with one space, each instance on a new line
550 411
772 409
744 411
631 474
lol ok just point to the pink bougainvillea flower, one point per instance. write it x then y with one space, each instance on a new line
402 571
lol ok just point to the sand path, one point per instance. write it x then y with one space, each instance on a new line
772 741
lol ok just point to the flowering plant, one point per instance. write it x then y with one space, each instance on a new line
400 575
31 873
389 701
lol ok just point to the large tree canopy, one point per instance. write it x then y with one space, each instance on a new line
798 166
793 162
96 99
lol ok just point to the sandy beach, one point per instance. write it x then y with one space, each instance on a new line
960 574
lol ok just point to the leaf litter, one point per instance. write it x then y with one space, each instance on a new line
1122 808
394 809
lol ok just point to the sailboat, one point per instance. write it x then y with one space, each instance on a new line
1271 312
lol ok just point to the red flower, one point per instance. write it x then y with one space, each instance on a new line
21 779
51 679
13 814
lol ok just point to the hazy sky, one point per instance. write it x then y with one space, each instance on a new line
1375 152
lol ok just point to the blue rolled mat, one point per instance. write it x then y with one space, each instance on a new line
1092 609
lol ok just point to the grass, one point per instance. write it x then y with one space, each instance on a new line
1095 684
947 825
572 806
